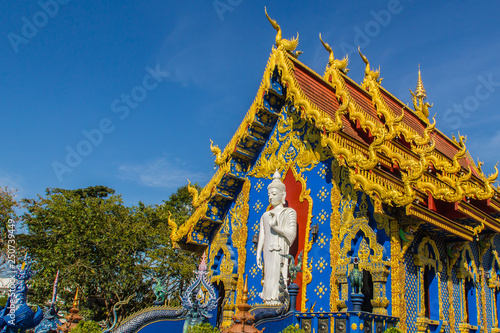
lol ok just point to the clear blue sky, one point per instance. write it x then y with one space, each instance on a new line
150 82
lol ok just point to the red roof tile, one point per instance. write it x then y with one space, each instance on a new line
323 96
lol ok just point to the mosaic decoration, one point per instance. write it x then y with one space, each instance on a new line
322 240
258 206
254 271
322 216
320 290
252 294
321 265
323 194
259 185
322 171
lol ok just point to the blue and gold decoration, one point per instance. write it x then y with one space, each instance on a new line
370 178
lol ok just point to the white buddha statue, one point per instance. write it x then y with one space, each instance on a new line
278 228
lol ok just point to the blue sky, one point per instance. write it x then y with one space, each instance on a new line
138 88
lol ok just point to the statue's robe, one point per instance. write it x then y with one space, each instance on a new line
274 245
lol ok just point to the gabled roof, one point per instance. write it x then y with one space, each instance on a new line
394 153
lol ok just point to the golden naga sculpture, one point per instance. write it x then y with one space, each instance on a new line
488 191
288 45
171 223
194 193
219 156
335 63
479 165
369 73
421 107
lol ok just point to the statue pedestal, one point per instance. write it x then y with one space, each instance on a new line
357 300
293 290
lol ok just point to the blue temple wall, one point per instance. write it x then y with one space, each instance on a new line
487 264
258 203
438 288
494 266
226 228
481 311
411 291
319 182
320 185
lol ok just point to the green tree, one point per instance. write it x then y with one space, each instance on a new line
170 263
293 329
107 250
202 328
8 204
393 330
87 326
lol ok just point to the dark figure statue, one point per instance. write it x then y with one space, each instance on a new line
292 268
356 278
159 292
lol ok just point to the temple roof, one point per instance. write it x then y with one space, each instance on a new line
395 154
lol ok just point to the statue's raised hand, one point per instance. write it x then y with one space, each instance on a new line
273 220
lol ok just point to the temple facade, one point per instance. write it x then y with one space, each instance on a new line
377 189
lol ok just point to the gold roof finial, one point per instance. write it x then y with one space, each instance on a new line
288 45
332 62
370 75
421 107
420 90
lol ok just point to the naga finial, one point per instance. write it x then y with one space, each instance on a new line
332 62
216 152
171 223
194 194
369 73
288 45
479 165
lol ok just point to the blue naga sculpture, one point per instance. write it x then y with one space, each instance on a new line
17 316
197 303
51 318
194 299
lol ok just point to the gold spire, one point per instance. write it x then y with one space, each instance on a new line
245 290
420 91
421 107
75 301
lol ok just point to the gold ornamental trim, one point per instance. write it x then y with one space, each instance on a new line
441 222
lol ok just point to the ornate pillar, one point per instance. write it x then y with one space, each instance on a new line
341 275
380 272
493 284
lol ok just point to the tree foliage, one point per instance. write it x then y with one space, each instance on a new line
87 326
107 250
393 330
293 329
202 328
8 204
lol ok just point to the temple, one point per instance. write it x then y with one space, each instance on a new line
396 225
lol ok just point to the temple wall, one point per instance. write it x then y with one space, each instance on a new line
392 257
